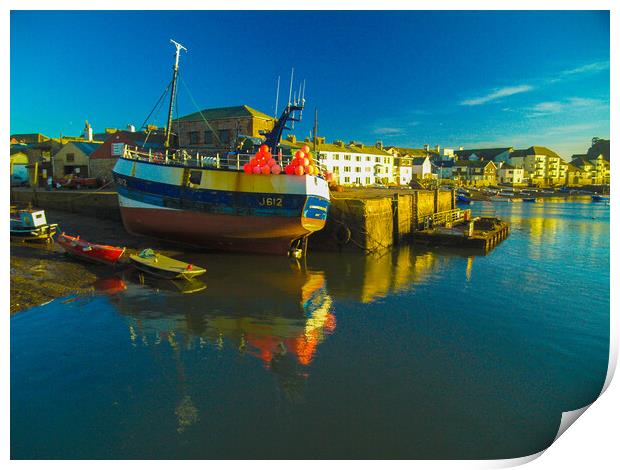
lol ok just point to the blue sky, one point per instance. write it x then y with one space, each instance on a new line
407 78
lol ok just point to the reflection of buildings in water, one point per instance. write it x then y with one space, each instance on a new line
468 269
366 278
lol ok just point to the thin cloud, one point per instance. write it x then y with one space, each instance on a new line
497 94
388 130
593 67
553 107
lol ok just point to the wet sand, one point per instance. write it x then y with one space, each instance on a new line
41 272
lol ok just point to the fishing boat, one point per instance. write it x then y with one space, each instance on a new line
210 201
79 248
150 262
31 225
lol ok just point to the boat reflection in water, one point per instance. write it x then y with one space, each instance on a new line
278 314
270 311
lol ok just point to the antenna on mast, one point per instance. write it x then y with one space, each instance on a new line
302 98
275 111
290 89
173 92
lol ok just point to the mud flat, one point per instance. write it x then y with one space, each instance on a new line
42 272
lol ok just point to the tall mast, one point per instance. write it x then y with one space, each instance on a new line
175 72
316 130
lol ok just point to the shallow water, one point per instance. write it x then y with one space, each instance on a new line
415 354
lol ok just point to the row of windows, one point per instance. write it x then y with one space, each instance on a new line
358 158
347 169
357 180
209 138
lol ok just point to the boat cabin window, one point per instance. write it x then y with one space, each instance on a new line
195 177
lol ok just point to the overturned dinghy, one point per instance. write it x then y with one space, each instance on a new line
164 267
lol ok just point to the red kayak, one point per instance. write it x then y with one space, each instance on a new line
90 251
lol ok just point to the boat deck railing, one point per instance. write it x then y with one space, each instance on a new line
231 161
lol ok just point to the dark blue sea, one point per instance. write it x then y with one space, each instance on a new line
418 353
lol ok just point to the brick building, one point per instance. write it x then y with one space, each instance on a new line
222 129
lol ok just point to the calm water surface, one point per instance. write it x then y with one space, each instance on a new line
415 354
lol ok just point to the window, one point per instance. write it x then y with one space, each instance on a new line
358 158
347 168
346 179
336 156
367 159
358 169
377 159
347 157
194 138
70 157
358 180
195 176
367 180
208 137
224 136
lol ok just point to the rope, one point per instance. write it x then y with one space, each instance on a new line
158 103
199 111
381 246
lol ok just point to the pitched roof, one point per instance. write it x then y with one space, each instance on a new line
579 162
507 166
418 160
29 138
228 112
411 152
344 148
86 147
473 163
444 163
534 150
487 154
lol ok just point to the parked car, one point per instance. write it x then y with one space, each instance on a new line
76 182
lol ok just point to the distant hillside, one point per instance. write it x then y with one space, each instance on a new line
599 146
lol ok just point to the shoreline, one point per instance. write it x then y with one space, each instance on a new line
42 272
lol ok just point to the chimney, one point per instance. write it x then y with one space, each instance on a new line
88 132
339 143
379 144
461 148
427 147
437 148
320 140
131 128
291 138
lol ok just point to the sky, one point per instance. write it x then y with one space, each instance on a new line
472 79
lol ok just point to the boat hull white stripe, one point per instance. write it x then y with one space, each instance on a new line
126 202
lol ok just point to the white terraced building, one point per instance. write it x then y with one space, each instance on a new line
353 163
